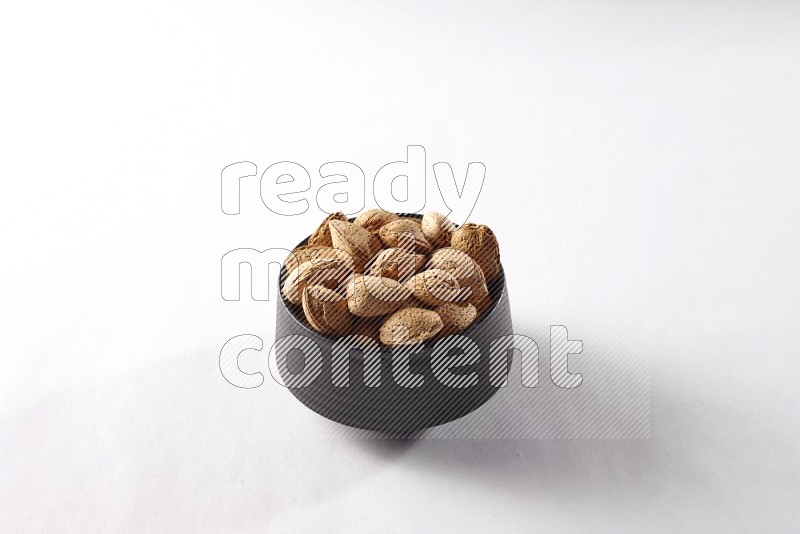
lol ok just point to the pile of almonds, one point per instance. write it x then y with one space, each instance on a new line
398 280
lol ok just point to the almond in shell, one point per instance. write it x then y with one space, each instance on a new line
397 264
434 287
322 235
356 241
464 268
373 220
404 233
326 310
409 326
456 317
333 274
480 243
373 296
437 229
315 252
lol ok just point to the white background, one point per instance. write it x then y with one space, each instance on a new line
642 175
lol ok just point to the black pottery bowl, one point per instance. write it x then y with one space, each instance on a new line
389 407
